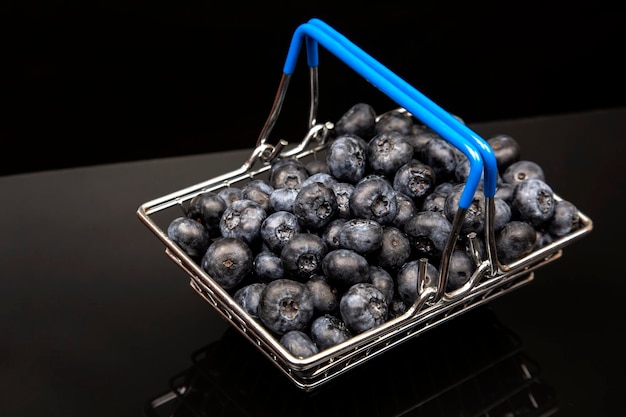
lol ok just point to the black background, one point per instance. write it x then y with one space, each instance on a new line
116 81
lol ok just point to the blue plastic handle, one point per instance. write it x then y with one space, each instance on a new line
396 91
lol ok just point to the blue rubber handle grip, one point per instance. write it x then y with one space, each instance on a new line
314 35
489 160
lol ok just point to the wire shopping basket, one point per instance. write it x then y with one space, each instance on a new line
434 305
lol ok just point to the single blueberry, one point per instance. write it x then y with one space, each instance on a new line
286 305
330 235
523 170
533 201
191 235
321 177
387 152
394 251
406 209
460 269
505 149
248 297
243 220
299 344
565 219
346 158
407 280
324 294
442 157
474 220
230 194
278 228
374 198
258 191
363 307
360 120
302 255
268 266
515 240
428 232
207 208
345 267
315 206
381 279
228 261
361 235
329 330
282 199
287 173
415 179
396 120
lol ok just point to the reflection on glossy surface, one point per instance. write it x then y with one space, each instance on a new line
471 366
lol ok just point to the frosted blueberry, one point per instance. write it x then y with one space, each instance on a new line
228 261
286 305
192 237
346 159
329 330
363 307
299 344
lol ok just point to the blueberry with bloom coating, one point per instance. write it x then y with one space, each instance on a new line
474 220
346 158
360 120
388 151
414 179
243 220
515 240
321 177
282 199
523 170
406 209
302 255
248 297
428 232
345 267
381 279
361 235
258 191
533 201
505 149
228 261
268 266
407 280
278 228
460 270
324 294
315 206
287 173
230 194
565 219
394 251
363 307
286 305
330 235
374 198
192 237
329 330
207 208
299 344
396 120
442 157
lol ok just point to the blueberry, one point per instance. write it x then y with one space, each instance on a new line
406 209
394 251
374 198
329 330
230 194
388 151
381 279
330 235
515 240
258 191
523 170
228 261
360 120
315 206
544 238
361 235
287 173
474 220
282 199
321 177
192 237
243 220
345 267
302 255
363 307
533 201
504 190
346 158
442 157
397 307
286 305
407 280
505 149
394 121
419 139
324 294
343 191
565 219
207 208
414 179
268 266
435 201
248 297
503 213
428 232
278 228
460 269
299 344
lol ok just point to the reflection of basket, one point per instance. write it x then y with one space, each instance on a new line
482 371
434 305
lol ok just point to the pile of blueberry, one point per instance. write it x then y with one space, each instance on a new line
326 249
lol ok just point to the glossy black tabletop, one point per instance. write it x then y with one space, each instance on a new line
95 320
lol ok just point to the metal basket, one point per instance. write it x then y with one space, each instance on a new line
434 305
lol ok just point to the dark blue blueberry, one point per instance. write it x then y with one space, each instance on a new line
324 294
523 170
345 267
258 191
282 199
504 190
374 198
565 219
286 305
330 235
207 208
505 149
299 344
436 202
192 237
474 220
396 120
363 307
268 266
228 261
287 173
360 120
278 228
544 238
388 151
381 279
302 256
230 194
321 177
248 297
414 179
419 139
361 235
515 240
329 330
460 269
397 307
394 251
533 201
406 209
442 157
343 191
503 213
315 206
242 220
346 158
407 280
428 232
